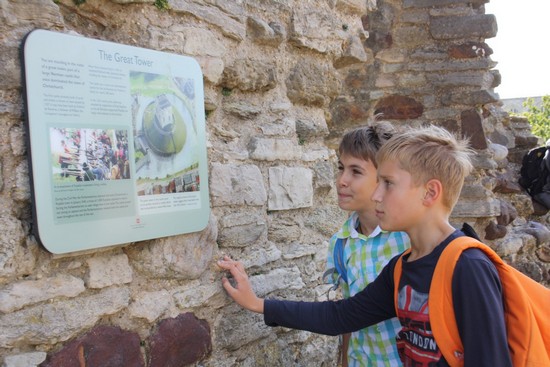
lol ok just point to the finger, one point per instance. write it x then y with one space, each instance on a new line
236 268
227 286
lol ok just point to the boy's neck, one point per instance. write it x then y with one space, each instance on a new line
425 238
367 224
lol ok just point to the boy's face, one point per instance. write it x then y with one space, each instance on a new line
398 201
355 184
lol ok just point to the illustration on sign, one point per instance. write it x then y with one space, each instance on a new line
117 137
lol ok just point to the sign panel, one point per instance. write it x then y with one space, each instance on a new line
117 138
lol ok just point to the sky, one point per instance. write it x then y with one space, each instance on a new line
521 47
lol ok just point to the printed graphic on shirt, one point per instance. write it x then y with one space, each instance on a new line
415 341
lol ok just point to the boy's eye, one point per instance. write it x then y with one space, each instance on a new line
340 167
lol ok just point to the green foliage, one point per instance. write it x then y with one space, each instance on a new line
79 2
226 91
162 4
539 117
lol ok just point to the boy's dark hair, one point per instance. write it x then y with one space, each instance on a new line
365 141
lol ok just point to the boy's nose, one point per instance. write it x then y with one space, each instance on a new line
376 197
341 181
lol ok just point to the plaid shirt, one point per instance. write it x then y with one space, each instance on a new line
364 258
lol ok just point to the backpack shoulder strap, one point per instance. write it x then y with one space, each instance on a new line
339 262
397 277
339 269
525 321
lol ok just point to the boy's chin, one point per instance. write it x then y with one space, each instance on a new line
346 206
385 226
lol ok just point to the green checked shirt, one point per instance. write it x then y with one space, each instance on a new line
364 258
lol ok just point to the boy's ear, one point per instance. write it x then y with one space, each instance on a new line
434 192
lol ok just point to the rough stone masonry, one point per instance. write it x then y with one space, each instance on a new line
283 80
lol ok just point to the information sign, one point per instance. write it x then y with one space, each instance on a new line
117 142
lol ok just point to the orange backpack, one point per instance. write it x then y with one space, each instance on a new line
526 307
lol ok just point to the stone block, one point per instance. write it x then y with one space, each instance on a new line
243 110
352 6
509 245
507 213
281 127
102 346
232 184
20 294
277 279
150 305
229 19
453 27
161 41
437 3
347 113
392 56
182 341
284 230
353 53
21 191
239 229
495 231
30 359
272 34
16 258
305 86
326 220
472 128
274 149
17 142
398 107
290 188
315 155
238 329
478 79
470 50
212 69
105 271
184 256
250 75
60 320
196 295
257 257
410 36
308 128
476 97
202 42
324 177
507 183
467 208
539 231
318 31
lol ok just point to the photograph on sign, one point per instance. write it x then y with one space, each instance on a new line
117 142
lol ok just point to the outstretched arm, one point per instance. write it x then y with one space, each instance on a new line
242 292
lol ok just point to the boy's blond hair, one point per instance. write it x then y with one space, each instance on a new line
365 141
431 153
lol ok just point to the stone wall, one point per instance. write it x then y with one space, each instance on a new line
283 80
